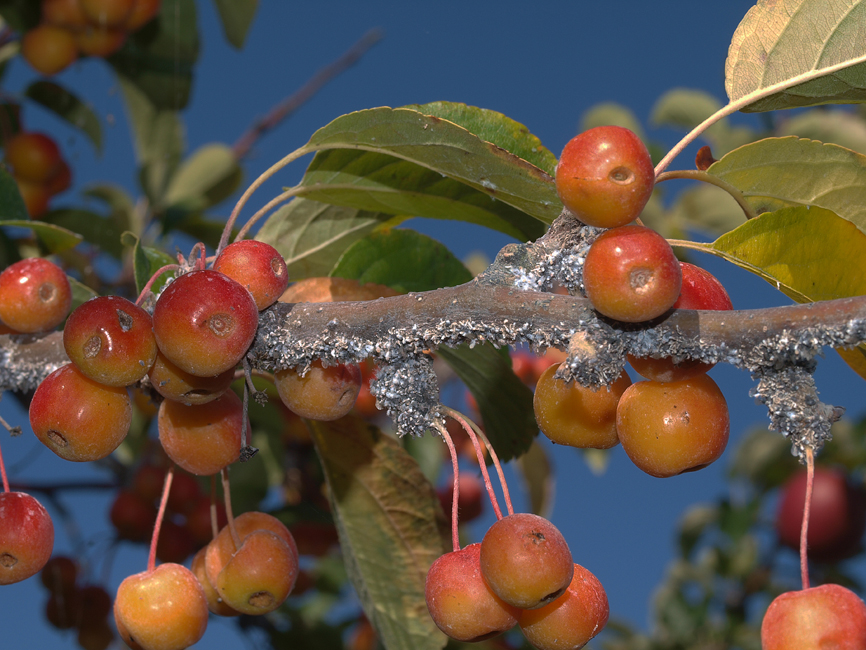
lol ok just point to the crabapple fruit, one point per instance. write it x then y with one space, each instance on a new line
204 322
143 11
526 561
107 13
571 414
49 48
257 266
459 600
77 418
321 394
64 13
670 428
100 41
110 340
26 537
605 176
180 386
631 274
33 156
35 295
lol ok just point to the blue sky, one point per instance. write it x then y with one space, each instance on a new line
542 64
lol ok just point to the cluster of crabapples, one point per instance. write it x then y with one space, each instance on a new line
187 351
38 168
70 29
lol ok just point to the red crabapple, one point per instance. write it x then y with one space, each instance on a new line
257 266
605 176
110 340
26 537
77 418
631 274
64 13
49 48
35 295
132 516
180 386
107 13
204 322
526 561
33 156
323 393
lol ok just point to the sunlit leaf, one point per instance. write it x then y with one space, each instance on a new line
209 175
496 128
404 260
312 236
807 254
798 53
146 261
432 144
391 528
159 58
776 172
236 17
54 238
65 104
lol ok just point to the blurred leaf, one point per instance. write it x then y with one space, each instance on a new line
66 105
146 262
495 128
158 137
209 175
427 452
596 459
537 473
207 231
159 58
693 524
81 293
54 238
833 126
96 229
786 47
708 209
390 525
8 250
794 171
236 17
312 236
114 196
402 259
10 116
807 254
12 206
611 114
430 144
505 402
764 459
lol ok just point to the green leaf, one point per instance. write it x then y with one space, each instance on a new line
404 260
778 172
505 402
146 261
836 126
706 208
97 230
611 114
430 144
66 105
158 137
537 473
11 204
312 236
236 17
391 528
81 293
209 175
159 58
790 53
54 238
495 128
807 254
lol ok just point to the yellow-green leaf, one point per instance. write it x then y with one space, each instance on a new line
54 238
391 528
789 53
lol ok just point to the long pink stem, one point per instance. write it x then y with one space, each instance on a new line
146 290
3 473
497 465
214 515
458 417
455 496
227 497
807 508
166 488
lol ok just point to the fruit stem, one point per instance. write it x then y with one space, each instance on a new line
256 184
214 523
227 496
146 289
458 417
3 473
455 496
695 174
166 488
807 508
496 464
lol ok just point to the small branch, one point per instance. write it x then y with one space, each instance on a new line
292 103
694 174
